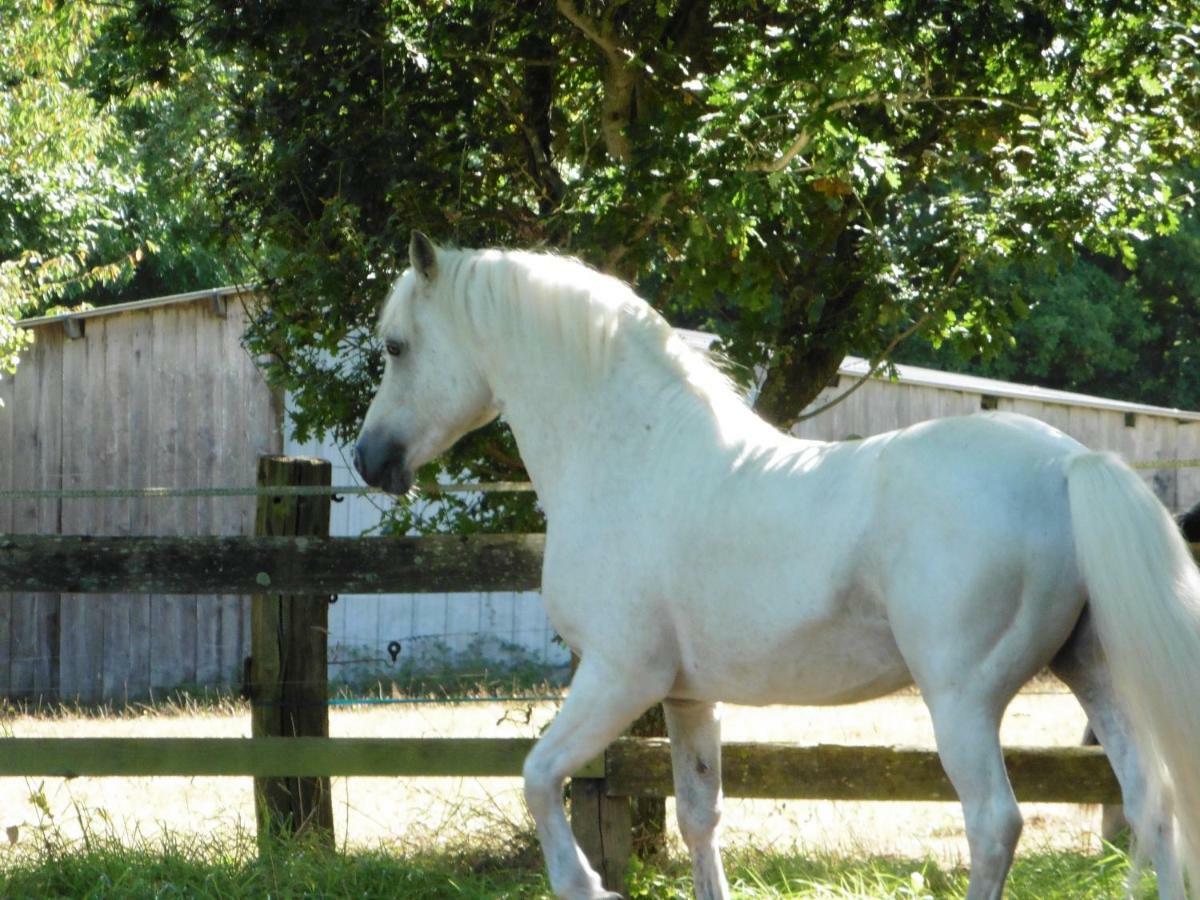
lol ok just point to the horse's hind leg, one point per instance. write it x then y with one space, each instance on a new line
695 731
1112 816
602 701
1082 666
967 728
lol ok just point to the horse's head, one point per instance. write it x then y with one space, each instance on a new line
432 392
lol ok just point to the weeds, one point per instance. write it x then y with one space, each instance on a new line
457 844
235 867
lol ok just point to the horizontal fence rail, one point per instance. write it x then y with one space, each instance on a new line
253 565
82 564
642 768
631 767
269 757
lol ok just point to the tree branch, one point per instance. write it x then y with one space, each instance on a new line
591 30
875 97
620 79
644 228
781 162
870 373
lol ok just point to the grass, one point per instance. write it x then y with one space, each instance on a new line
463 839
231 868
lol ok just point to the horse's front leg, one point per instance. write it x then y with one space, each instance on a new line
603 700
695 732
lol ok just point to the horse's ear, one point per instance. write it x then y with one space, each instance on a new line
422 255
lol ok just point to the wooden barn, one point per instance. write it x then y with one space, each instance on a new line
1141 434
158 393
161 393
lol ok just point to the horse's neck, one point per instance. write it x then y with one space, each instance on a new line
602 438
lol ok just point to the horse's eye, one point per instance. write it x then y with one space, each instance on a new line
395 348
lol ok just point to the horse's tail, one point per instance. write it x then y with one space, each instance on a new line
1144 596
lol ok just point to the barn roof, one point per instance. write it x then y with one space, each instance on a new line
855 367
852 366
214 294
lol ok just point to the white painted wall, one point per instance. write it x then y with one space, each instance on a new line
433 629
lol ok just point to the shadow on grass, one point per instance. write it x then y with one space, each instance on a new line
232 870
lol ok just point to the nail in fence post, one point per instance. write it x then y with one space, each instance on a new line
287 670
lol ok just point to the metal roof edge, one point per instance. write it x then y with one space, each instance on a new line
135 305
856 367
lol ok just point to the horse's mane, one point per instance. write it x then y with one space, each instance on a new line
542 301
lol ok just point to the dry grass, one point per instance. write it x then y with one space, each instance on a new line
423 815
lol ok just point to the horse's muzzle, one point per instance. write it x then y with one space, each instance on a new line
381 464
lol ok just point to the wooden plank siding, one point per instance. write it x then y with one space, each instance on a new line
85 460
139 330
7 399
36 460
172 346
159 396
165 395
880 406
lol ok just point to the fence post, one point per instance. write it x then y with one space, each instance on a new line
287 670
649 814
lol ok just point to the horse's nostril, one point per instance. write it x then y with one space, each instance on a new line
356 457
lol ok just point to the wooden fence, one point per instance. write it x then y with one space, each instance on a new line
630 768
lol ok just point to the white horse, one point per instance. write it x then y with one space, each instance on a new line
694 554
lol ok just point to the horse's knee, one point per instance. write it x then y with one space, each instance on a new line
542 783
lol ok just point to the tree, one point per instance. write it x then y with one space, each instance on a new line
94 204
56 186
803 179
1097 325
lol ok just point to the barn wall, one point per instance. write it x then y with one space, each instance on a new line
434 630
881 406
164 397
30 454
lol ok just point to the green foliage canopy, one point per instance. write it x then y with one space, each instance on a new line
56 184
804 180
96 203
1097 326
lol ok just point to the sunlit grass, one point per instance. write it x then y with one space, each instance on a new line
134 838
99 865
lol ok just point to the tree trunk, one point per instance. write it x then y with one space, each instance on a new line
810 345
793 382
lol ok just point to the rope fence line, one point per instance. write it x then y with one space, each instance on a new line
347 490
1165 464
447 700
493 487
